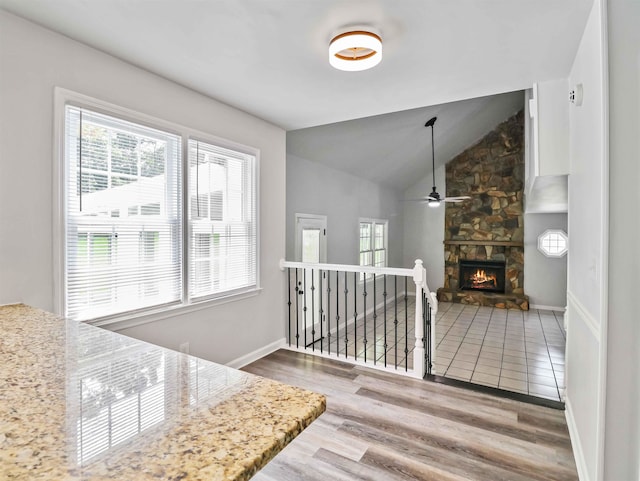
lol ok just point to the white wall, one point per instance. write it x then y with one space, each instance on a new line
424 229
586 292
545 278
622 434
313 188
33 60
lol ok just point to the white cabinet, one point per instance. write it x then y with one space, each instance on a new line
547 146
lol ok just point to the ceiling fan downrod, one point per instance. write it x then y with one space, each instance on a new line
430 123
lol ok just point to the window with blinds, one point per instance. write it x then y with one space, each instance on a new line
125 217
222 220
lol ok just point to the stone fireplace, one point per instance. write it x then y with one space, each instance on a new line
486 233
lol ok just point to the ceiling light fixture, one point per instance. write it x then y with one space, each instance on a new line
355 50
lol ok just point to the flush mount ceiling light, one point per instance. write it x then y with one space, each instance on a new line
355 50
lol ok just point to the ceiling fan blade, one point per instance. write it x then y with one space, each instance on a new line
421 199
458 198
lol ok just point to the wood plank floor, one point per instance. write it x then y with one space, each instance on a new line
383 427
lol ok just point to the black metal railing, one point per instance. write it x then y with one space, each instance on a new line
355 315
426 315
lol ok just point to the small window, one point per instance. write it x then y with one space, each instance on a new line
373 242
553 243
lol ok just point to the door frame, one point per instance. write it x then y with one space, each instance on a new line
310 221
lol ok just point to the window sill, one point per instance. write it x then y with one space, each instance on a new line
138 319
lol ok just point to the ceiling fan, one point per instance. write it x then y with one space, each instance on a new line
434 199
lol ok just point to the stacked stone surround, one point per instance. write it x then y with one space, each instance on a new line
492 221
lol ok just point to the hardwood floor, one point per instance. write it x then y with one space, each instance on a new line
383 427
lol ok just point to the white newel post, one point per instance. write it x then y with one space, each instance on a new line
433 305
419 277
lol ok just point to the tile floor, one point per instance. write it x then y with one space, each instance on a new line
519 351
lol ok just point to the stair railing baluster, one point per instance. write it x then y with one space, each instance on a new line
346 316
355 316
297 311
384 298
364 311
321 312
395 321
304 306
313 310
406 324
289 305
375 320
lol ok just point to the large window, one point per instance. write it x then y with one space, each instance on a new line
222 225
123 197
373 242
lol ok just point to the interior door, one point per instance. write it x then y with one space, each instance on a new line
311 247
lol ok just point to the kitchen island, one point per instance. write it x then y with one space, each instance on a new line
80 402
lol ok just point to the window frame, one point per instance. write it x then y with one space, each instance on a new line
372 240
64 97
551 255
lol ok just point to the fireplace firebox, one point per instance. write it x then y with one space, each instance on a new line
486 276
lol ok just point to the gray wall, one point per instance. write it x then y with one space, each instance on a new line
424 229
313 188
545 278
33 61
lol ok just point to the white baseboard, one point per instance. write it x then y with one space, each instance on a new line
542 307
257 354
578 454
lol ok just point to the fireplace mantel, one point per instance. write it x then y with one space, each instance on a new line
483 243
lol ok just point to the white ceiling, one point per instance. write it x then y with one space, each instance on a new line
269 57
395 149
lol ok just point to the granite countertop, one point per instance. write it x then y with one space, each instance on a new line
80 402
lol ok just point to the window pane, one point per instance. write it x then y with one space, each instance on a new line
553 243
379 236
365 236
123 228
222 206
311 245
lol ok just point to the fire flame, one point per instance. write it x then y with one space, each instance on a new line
482 280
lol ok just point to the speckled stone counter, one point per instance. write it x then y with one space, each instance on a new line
80 402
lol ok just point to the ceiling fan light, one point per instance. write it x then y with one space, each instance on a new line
434 204
356 50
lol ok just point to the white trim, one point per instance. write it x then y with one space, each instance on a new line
574 434
257 354
546 253
604 248
590 321
350 360
390 271
319 221
133 320
543 307
63 97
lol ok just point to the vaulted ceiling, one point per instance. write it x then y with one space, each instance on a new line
269 57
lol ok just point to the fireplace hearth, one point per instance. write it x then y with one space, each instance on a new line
485 276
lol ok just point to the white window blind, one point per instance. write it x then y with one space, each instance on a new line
222 220
123 249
